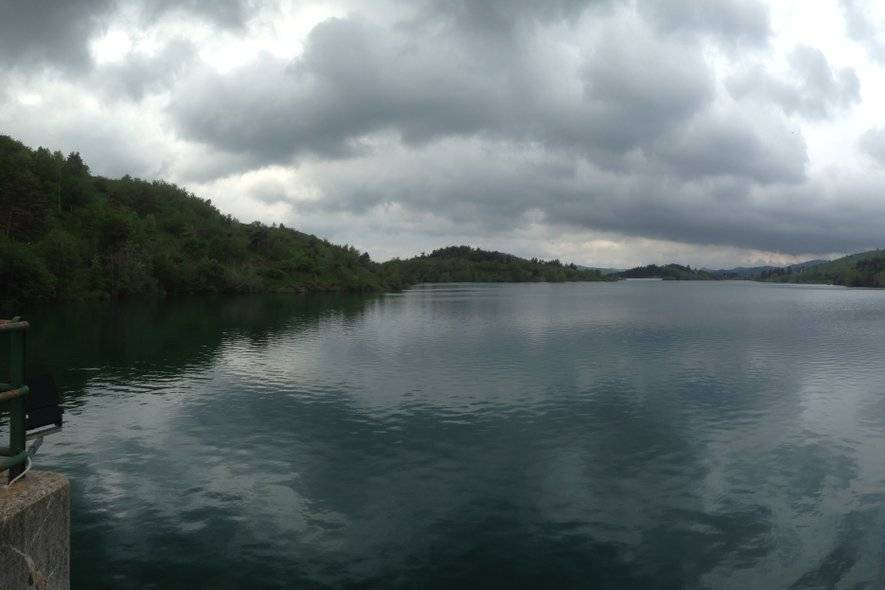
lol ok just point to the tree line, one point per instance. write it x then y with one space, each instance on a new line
865 269
66 234
465 264
668 272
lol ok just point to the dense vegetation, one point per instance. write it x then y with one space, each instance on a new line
466 264
669 272
66 234
743 273
866 269
758 272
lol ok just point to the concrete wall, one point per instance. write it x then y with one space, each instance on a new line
35 533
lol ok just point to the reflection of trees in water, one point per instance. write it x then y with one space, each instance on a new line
165 337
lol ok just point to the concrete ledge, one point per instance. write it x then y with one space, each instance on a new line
35 533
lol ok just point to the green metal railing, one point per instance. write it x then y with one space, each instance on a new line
12 398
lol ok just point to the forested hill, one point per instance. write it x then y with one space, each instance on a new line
66 234
757 272
866 269
466 264
669 272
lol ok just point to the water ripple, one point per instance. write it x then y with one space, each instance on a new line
727 435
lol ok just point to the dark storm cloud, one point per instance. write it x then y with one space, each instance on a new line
490 115
49 31
742 21
355 79
637 91
139 74
762 149
816 90
57 33
863 29
226 13
731 21
626 137
491 192
504 16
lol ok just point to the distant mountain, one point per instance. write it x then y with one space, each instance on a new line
67 234
866 269
808 264
669 272
466 264
742 272
605 271
756 272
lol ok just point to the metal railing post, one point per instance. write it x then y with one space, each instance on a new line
17 406
12 395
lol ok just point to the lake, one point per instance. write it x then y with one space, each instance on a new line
623 435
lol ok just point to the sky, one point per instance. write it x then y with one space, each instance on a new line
608 133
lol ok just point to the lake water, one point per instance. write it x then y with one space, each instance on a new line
627 435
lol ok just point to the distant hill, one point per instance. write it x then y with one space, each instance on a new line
742 272
466 264
756 272
603 270
866 269
66 234
669 272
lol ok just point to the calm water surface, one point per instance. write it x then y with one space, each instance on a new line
629 435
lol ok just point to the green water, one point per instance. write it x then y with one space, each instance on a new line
627 435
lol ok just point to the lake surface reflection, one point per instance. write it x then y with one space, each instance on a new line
628 435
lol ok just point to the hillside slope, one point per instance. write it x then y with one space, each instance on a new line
466 264
865 269
757 272
669 272
66 234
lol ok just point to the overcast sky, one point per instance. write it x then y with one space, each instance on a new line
605 132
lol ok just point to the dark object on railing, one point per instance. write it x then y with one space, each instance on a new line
42 406
34 409
12 399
